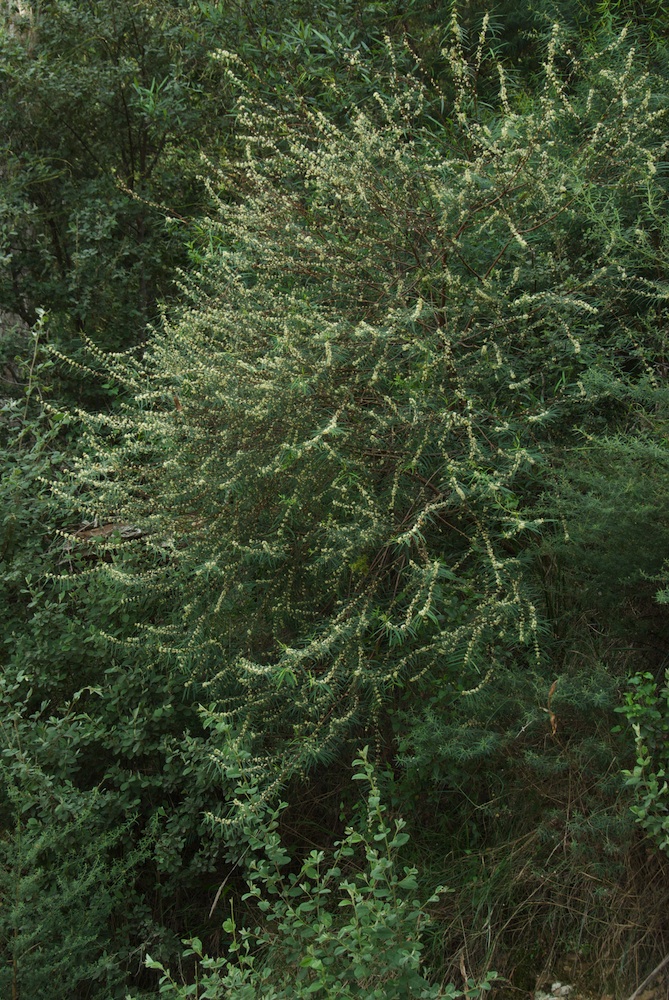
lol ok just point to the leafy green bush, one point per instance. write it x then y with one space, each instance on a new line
341 927
94 746
65 863
646 708
395 334
63 879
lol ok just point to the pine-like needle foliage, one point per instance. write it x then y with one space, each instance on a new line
392 325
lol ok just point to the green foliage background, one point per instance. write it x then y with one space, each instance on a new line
334 413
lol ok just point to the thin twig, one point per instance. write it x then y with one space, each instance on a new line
225 882
648 979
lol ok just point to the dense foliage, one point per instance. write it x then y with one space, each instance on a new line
334 353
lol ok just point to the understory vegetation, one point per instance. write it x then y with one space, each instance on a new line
334 531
